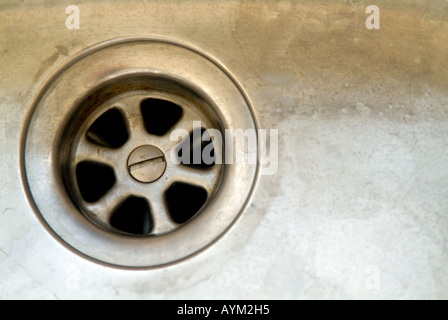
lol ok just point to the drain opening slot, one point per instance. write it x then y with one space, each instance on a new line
184 201
109 130
133 216
95 180
160 116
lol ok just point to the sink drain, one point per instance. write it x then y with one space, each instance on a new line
97 158
116 150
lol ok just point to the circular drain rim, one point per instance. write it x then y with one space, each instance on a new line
40 177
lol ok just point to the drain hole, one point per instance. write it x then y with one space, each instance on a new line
196 153
160 116
133 216
94 180
184 201
109 130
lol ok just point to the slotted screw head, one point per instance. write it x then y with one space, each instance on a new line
146 164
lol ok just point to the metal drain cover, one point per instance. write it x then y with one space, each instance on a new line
98 153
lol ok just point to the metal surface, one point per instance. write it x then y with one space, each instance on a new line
358 207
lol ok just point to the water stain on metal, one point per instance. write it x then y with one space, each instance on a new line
46 64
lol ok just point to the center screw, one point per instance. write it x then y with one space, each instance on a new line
146 164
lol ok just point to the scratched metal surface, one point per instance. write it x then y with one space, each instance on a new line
359 206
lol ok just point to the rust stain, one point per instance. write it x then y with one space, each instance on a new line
63 50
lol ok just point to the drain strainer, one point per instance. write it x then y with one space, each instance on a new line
98 156
116 156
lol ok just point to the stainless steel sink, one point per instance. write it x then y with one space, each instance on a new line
358 207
